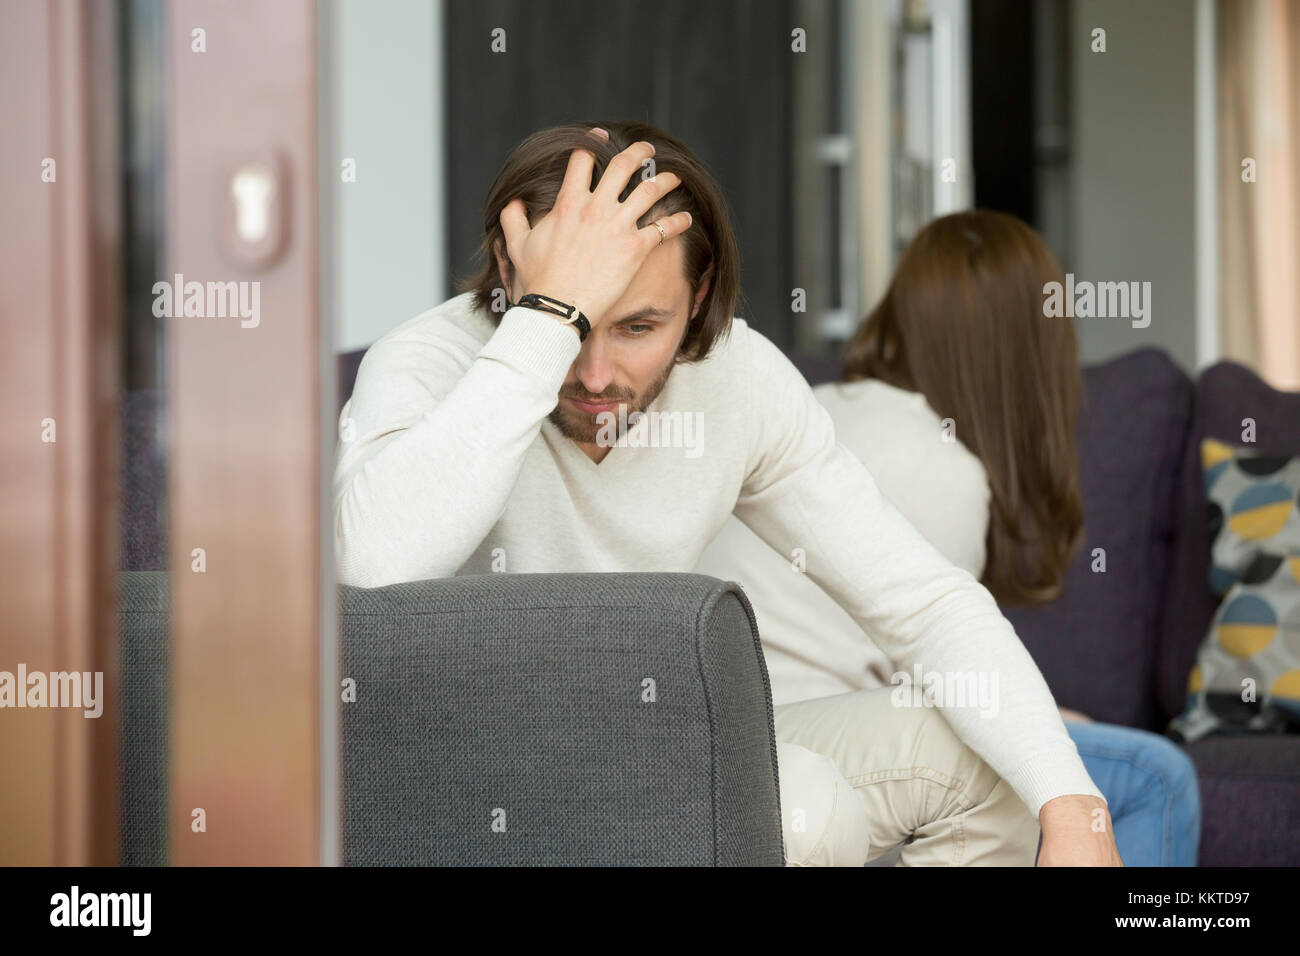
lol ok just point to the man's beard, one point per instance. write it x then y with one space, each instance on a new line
585 427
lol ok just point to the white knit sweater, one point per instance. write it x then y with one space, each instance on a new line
449 465
812 646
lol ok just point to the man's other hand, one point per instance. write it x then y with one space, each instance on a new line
1077 831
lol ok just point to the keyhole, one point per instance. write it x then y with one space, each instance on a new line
253 189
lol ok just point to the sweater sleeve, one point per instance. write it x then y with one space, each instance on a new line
436 447
803 490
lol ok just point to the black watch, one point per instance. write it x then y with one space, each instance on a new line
569 313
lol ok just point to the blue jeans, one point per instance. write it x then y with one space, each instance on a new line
1151 789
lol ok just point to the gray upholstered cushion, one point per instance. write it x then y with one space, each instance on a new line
519 692
522 699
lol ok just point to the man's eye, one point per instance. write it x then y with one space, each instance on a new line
640 325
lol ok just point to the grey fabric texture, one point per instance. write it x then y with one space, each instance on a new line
142 757
604 719
558 719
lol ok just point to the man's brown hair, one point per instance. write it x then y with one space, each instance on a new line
534 172
962 323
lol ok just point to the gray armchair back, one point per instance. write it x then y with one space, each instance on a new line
518 719
533 719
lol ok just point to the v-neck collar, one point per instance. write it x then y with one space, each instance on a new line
567 446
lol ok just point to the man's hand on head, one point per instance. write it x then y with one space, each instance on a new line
1077 831
586 249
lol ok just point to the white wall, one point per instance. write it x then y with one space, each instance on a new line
389 240
1134 175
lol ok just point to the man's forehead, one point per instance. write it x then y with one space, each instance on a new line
658 290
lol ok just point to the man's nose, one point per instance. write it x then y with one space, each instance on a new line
594 367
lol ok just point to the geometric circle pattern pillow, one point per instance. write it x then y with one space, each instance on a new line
1254 509
1247 673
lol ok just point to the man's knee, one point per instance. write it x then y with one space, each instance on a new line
823 821
996 825
938 748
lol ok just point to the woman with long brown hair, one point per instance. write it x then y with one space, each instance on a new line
961 397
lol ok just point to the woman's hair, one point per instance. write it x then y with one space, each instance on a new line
962 323
534 172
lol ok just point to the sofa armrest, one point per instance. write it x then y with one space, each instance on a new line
525 719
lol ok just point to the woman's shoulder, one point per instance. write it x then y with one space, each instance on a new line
910 450
875 412
876 405
918 462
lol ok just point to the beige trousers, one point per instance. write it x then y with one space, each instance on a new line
860 776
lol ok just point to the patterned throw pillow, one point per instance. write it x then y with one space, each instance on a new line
1254 509
1247 673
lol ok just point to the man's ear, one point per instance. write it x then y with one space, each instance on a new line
505 270
705 282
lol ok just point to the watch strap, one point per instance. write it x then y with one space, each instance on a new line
570 313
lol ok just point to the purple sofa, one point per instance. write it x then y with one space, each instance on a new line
1118 645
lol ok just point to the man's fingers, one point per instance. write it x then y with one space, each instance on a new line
514 223
648 193
674 225
577 175
620 170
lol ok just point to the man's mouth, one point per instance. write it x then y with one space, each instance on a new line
595 408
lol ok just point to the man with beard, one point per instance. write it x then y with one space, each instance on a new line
476 447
